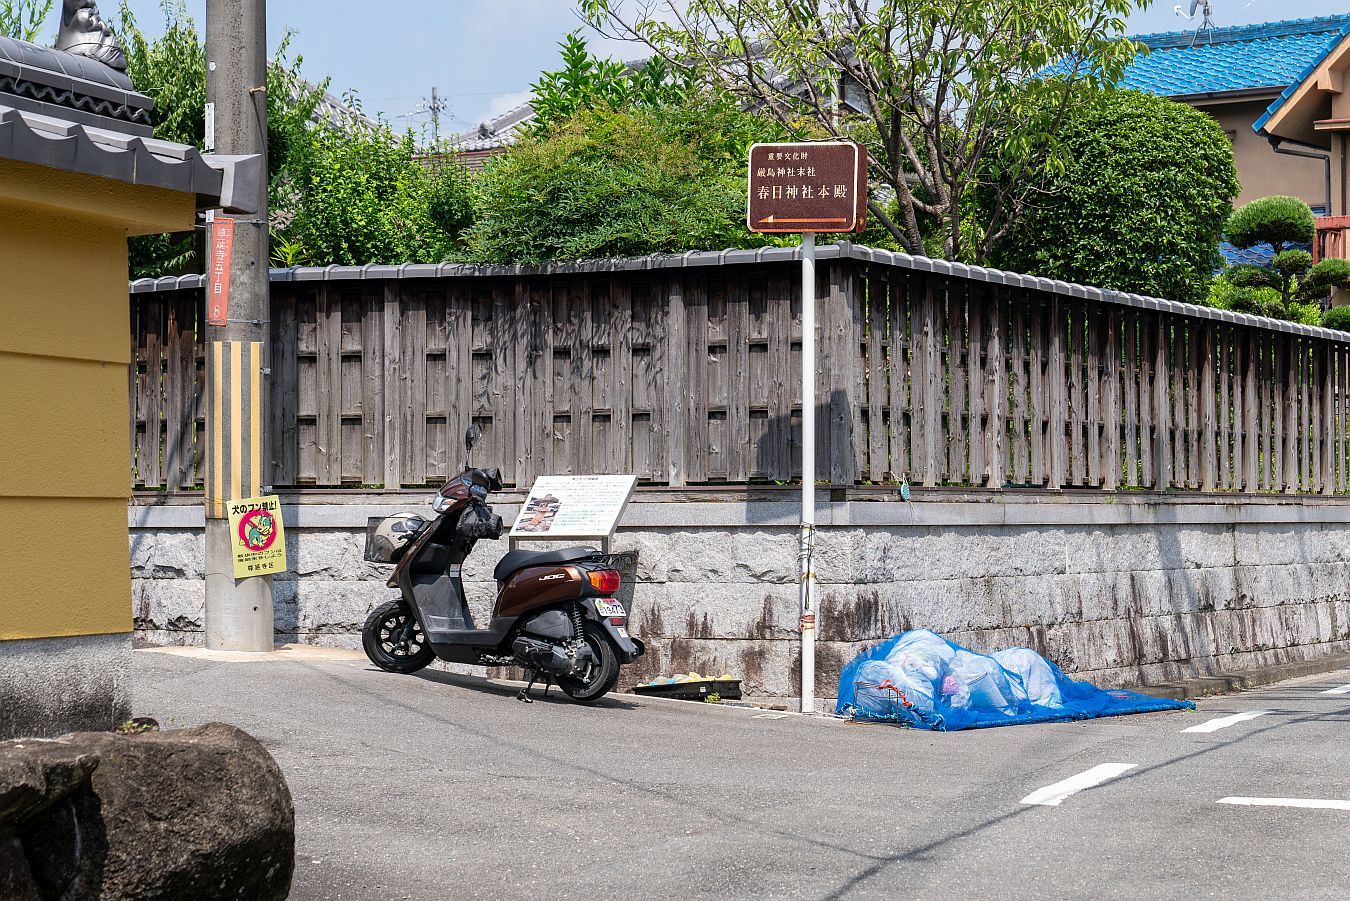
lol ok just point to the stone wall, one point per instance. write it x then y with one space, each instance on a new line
1133 591
50 686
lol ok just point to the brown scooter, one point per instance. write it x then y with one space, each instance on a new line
555 612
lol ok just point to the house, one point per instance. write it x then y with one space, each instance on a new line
1238 75
79 173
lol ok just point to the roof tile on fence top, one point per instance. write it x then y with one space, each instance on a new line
382 271
345 273
420 270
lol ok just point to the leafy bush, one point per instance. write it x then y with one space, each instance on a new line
610 182
361 195
1139 204
1337 318
587 82
1326 275
1257 297
1278 221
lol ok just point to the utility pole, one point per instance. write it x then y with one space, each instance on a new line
436 107
238 611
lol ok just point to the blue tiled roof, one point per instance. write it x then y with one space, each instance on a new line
1259 255
1242 57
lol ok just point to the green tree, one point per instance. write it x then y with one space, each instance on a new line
22 19
1144 192
618 182
587 82
353 195
361 195
1282 222
937 86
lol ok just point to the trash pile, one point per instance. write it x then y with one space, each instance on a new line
923 680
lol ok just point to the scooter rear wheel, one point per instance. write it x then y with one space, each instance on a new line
596 683
394 641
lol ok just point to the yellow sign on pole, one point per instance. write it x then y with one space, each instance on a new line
257 537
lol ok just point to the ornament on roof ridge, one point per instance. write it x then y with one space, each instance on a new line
84 33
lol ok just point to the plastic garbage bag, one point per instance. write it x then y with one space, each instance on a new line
921 679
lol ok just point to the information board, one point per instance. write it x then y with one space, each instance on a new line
807 187
257 537
573 506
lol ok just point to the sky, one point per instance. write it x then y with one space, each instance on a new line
483 55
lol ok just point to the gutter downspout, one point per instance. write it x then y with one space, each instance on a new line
1321 154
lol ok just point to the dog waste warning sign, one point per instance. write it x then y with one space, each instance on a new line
257 536
807 187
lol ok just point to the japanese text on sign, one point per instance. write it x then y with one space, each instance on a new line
218 285
820 187
574 506
257 537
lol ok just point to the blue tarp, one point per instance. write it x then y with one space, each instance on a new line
923 680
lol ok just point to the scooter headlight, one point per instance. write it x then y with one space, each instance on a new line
440 503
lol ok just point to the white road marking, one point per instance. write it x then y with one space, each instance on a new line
1317 803
1224 722
1052 795
1343 690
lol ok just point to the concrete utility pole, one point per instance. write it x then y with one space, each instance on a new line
238 611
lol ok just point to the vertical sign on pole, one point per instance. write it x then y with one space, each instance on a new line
218 285
805 189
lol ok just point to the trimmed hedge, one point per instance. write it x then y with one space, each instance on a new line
1147 187
1337 318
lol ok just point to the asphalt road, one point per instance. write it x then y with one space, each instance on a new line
437 786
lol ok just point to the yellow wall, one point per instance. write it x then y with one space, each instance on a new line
65 345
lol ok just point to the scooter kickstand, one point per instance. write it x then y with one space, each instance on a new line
524 694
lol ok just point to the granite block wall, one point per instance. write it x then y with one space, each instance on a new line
1121 594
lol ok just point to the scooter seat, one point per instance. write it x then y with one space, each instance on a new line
515 560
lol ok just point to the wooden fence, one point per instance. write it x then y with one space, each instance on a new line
688 374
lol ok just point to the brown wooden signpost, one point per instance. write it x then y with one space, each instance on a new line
799 188
804 189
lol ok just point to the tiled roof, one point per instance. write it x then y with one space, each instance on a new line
1259 255
1270 55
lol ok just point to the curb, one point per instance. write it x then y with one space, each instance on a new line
1229 683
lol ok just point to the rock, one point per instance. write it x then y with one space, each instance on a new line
199 813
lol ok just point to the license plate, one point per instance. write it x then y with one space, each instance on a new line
610 608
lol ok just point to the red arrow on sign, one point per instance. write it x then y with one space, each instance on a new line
771 220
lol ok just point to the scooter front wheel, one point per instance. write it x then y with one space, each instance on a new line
601 675
394 641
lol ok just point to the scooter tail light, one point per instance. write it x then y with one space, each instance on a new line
605 581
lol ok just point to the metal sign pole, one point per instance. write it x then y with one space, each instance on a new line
808 524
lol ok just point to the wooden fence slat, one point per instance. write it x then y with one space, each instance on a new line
738 414
1075 321
1290 444
1096 391
1225 474
1038 365
1134 432
1110 357
1018 345
898 364
873 294
996 391
934 439
977 308
1208 417
1162 427
1057 396
956 383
